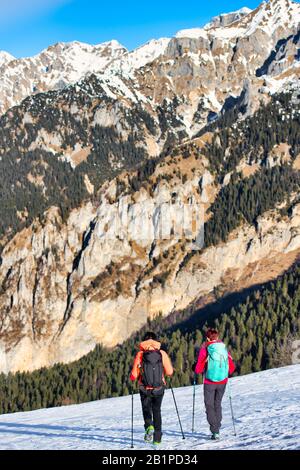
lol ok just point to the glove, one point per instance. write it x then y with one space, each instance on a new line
194 366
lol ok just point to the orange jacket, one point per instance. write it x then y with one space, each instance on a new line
149 345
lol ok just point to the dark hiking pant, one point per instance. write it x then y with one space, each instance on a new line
151 404
213 394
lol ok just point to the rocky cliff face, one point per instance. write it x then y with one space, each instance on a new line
137 104
67 286
71 160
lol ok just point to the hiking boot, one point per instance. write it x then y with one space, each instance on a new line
215 436
156 444
149 433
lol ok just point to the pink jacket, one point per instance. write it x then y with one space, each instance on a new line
202 363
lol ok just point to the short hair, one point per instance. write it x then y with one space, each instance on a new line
150 335
212 334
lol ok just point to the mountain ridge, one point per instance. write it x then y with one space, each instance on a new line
32 69
179 119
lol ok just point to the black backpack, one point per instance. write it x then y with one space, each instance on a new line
152 369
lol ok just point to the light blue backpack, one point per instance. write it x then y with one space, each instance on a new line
217 362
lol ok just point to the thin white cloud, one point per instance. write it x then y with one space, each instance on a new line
12 11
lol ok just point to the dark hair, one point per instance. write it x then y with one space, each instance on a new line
150 335
212 334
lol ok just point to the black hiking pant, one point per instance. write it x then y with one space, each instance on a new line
213 394
151 405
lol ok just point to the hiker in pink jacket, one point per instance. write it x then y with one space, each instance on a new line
216 364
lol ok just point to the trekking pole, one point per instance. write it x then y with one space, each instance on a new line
132 417
231 408
183 436
194 395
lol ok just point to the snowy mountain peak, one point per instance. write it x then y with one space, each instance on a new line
267 17
141 56
114 44
226 19
217 22
53 68
73 47
62 64
5 57
283 3
244 10
278 7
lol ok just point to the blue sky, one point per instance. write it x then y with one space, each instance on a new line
28 26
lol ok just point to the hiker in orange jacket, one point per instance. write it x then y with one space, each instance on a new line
150 367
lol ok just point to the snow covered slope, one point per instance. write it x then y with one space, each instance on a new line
53 68
266 18
5 57
139 57
266 407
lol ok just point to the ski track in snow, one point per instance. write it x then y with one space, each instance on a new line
266 407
